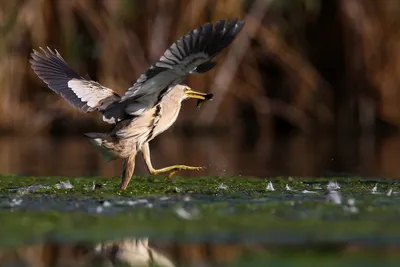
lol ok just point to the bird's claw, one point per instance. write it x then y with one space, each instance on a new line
184 168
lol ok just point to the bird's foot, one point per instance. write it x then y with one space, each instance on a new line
176 168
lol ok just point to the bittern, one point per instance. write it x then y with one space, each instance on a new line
151 105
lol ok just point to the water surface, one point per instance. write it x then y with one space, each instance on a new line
224 154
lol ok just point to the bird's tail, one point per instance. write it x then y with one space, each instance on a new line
98 140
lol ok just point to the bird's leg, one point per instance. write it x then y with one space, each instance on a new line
171 169
127 170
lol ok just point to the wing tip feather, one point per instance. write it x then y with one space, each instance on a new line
209 38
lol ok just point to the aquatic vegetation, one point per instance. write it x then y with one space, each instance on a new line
333 210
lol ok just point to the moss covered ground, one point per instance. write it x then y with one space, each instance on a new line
274 211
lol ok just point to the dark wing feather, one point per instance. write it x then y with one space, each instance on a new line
191 53
84 94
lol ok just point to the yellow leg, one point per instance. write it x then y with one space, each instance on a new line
171 169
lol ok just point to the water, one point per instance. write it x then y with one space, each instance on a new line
295 155
238 224
141 251
258 225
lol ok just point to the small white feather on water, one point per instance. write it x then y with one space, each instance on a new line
333 185
93 187
333 195
270 187
64 185
15 202
389 193
305 191
177 189
132 202
222 187
375 190
288 188
29 189
317 187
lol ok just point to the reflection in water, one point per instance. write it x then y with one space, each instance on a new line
297 155
127 252
132 252
145 252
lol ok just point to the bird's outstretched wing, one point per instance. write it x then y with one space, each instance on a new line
191 53
84 94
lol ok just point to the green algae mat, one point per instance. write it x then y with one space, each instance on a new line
233 221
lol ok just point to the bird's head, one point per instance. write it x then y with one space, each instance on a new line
191 94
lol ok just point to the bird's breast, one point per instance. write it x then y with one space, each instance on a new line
169 114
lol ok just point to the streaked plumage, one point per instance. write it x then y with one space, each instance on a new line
152 104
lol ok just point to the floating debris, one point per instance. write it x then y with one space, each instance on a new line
222 187
270 187
29 189
288 188
178 190
375 190
389 193
317 187
93 187
132 202
163 198
64 185
305 191
332 185
36 187
15 202
333 195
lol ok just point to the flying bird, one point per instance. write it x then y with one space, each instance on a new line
151 105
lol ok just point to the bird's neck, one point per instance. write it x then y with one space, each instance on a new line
171 107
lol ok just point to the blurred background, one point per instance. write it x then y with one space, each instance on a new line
309 87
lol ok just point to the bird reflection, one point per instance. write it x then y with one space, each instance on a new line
125 252
131 252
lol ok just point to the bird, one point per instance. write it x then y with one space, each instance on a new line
151 105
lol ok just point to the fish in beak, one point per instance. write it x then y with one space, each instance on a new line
201 97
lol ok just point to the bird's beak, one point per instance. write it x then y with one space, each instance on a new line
201 97
198 95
